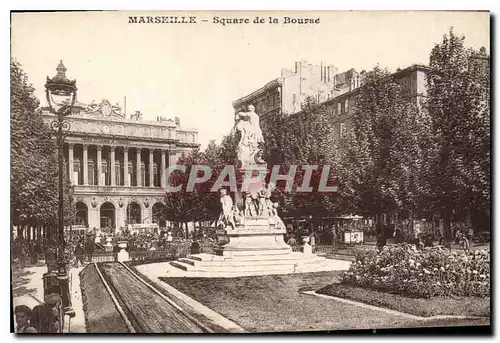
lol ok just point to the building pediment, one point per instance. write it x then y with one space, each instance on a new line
104 110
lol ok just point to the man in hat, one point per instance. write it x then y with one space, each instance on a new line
23 315
54 301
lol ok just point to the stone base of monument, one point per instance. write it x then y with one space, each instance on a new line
256 247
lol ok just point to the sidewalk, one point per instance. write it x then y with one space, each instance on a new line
27 289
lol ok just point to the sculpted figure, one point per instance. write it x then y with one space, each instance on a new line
226 217
277 219
238 216
249 212
264 196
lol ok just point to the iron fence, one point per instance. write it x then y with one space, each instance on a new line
104 257
171 251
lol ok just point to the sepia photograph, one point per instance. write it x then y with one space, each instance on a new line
239 172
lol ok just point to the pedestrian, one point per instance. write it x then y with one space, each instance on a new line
195 247
42 319
89 249
465 242
441 238
50 257
429 241
79 252
457 235
23 317
54 301
381 241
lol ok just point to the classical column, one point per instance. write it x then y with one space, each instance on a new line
151 171
172 157
85 165
99 162
162 170
138 166
70 163
112 161
126 180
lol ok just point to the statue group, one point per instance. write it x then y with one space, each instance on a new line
257 204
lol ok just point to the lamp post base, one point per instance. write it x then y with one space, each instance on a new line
59 283
63 281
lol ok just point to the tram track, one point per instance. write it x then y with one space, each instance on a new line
143 308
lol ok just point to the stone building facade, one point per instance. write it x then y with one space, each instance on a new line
337 91
413 79
287 93
117 164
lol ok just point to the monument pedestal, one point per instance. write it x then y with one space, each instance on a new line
254 237
256 247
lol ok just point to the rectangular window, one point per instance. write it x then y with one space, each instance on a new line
118 174
339 108
77 173
143 174
343 130
132 174
91 177
347 105
105 172
156 177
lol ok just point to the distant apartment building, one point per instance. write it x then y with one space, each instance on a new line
287 93
412 79
337 91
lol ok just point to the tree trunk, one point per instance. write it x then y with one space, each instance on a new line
187 231
447 234
38 237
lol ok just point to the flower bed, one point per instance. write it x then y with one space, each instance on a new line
425 273
454 306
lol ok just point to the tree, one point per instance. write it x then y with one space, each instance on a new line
188 206
458 103
382 151
34 167
303 139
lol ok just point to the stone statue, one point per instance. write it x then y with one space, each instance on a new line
247 124
264 196
277 219
226 217
238 216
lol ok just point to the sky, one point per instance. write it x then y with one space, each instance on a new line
196 71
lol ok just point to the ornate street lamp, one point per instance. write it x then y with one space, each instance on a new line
61 96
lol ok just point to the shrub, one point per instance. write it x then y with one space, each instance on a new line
430 272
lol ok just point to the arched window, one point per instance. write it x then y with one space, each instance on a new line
107 214
82 214
134 213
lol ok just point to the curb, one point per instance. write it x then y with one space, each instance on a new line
389 311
